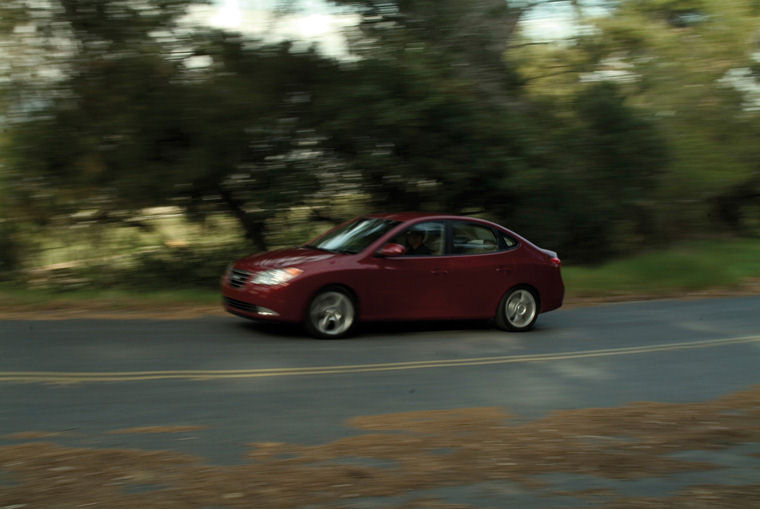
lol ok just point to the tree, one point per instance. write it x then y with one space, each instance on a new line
430 114
146 112
433 116
686 63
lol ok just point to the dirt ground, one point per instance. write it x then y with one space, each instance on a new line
396 455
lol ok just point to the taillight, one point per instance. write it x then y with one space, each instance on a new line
555 261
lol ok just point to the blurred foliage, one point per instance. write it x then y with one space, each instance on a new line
691 66
156 257
167 269
642 128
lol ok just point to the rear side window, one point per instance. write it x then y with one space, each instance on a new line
507 241
472 238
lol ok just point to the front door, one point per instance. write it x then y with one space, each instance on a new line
411 286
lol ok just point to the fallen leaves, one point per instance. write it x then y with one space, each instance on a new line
396 455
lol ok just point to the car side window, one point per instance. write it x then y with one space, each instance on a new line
422 239
507 241
472 238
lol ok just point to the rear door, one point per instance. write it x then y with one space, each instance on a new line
481 267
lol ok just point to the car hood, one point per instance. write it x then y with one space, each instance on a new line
293 257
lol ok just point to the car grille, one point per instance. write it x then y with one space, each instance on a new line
239 304
238 278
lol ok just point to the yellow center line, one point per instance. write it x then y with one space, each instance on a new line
129 376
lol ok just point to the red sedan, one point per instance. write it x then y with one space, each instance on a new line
406 266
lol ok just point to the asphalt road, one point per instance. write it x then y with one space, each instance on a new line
234 382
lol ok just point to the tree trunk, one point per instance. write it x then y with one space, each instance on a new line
253 226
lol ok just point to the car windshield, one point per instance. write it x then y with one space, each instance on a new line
353 237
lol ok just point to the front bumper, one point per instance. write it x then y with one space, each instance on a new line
259 302
239 307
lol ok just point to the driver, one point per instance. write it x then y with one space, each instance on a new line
415 243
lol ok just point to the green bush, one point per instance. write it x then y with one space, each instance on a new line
179 268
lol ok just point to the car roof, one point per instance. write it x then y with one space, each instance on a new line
415 216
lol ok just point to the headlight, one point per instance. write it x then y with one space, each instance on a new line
275 276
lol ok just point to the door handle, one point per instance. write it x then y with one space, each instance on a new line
439 272
503 269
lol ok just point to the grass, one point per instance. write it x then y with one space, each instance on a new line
13 298
690 267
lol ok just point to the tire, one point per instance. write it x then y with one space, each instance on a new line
518 310
331 314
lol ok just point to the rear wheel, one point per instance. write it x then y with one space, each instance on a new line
518 310
331 314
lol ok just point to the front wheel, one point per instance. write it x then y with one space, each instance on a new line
331 314
518 310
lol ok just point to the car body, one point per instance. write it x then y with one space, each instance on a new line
369 268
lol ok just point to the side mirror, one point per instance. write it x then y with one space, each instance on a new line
391 249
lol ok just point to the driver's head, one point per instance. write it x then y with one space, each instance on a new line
415 237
